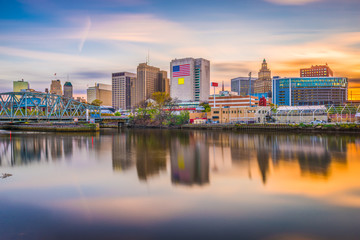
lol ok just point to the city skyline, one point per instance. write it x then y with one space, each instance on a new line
90 40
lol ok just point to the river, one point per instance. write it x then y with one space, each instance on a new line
173 184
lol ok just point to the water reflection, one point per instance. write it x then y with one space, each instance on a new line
192 156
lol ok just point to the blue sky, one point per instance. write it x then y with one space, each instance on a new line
88 40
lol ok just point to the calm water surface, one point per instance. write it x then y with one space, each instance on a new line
159 184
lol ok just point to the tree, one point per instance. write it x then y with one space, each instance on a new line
206 106
161 98
96 102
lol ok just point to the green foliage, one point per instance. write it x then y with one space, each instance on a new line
161 98
96 102
206 106
160 113
117 114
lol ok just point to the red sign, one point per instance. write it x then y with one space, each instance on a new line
214 84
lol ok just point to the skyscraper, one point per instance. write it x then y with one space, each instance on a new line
241 85
316 71
68 90
55 87
263 83
101 92
190 79
163 82
147 82
19 86
122 82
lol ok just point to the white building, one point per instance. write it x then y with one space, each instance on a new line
190 79
122 82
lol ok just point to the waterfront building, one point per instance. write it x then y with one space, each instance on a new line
232 101
241 85
233 114
19 86
263 83
101 92
55 87
317 71
190 79
68 90
122 83
310 91
300 114
149 80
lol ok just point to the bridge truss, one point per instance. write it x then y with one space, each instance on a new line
20 106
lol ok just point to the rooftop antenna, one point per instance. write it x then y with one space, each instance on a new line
148 57
223 86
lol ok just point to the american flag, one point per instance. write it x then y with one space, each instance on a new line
181 70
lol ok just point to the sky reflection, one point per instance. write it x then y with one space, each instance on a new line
165 181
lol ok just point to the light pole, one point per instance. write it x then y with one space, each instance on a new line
214 84
250 88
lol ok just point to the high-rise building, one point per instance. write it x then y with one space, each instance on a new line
68 90
241 85
190 79
317 71
263 83
101 92
122 82
310 91
163 82
19 86
55 87
149 80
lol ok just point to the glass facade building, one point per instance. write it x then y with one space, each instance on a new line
310 91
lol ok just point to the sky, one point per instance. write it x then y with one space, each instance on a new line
86 41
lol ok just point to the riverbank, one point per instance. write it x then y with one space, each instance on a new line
51 127
320 128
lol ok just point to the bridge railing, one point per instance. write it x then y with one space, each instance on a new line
43 106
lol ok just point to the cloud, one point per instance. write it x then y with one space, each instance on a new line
92 75
85 33
292 2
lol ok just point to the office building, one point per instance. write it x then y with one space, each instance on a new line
317 71
68 90
20 86
190 79
122 83
101 92
263 83
241 85
55 87
149 80
163 84
310 91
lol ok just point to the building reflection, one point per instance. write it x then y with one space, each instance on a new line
26 149
313 153
123 155
189 157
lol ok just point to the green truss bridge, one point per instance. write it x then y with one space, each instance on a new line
31 106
